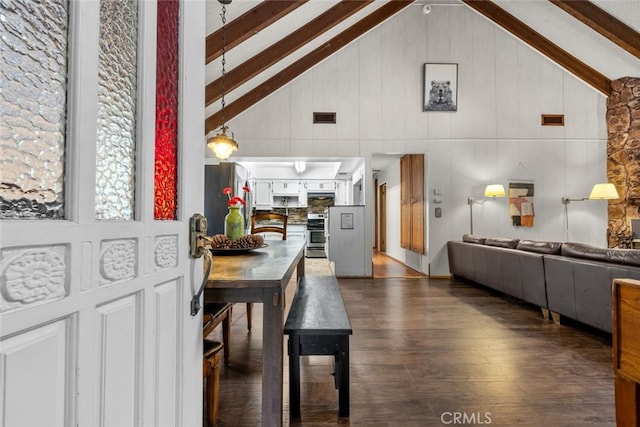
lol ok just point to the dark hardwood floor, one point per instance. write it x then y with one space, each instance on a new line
424 352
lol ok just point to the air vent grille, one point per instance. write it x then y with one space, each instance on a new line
324 118
552 120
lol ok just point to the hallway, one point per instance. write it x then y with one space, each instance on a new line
386 267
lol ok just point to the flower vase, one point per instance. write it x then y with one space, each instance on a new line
234 223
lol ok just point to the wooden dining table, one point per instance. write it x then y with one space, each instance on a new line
261 276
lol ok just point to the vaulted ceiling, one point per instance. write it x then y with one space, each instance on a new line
269 43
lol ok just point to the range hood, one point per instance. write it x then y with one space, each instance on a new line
320 195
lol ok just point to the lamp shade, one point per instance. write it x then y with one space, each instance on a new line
222 145
604 191
494 190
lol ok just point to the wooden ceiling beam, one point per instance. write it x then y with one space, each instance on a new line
248 24
543 45
603 23
278 51
305 63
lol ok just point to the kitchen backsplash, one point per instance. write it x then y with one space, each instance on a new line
296 215
299 215
317 205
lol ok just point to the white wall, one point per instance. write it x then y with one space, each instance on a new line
375 86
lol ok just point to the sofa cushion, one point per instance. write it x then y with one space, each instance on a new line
625 256
501 242
581 250
617 256
550 248
470 238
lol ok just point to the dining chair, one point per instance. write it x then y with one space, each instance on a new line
211 366
269 222
214 314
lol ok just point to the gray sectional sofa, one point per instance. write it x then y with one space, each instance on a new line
563 279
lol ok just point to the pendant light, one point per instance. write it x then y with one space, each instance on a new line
221 144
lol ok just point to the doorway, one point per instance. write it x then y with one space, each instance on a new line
382 246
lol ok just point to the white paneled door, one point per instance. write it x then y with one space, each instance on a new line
95 324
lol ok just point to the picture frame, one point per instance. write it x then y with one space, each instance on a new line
346 221
440 87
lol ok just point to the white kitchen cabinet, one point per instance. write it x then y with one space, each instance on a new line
302 197
296 232
321 185
267 235
286 188
262 198
289 194
342 193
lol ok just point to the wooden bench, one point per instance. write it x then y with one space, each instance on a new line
318 325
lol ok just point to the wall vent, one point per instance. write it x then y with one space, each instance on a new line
324 118
552 120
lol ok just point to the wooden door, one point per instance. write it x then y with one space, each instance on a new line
95 327
417 203
383 218
412 202
405 202
376 215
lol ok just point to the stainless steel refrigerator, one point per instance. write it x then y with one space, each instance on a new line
345 240
216 179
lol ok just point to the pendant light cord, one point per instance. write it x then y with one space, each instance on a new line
224 61
222 144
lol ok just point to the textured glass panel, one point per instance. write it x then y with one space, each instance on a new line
115 158
33 91
167 110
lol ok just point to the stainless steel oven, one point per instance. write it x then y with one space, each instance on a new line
315 236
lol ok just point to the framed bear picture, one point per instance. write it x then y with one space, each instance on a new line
440 87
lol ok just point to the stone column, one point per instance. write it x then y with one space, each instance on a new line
623 158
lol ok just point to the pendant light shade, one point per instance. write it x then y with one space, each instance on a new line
221 144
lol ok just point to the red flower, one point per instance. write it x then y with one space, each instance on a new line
236 200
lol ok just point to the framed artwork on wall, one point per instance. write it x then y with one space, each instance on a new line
440 87
346 221
521 204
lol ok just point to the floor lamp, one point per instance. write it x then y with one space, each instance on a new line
604 191
491 190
